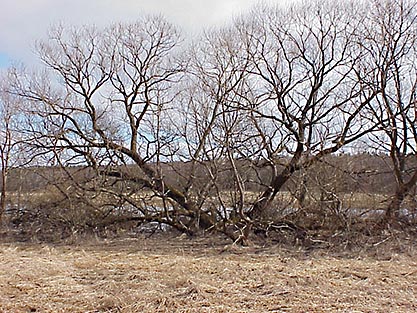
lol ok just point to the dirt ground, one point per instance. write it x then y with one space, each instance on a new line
182 275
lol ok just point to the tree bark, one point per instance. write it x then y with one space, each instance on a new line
258 210
392 212
3 193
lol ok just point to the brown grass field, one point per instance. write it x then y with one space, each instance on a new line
203 275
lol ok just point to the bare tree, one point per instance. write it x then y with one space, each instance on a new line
277 95
205 138
304 95
391 39
102 103
211 130
9 137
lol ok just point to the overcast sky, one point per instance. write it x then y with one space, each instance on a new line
24 21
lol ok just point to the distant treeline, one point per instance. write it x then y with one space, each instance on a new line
345 173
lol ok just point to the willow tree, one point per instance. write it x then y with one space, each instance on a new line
213 129
390 37
270 95
12 151
306 93
103 102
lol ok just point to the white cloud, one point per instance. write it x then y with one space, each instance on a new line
23 22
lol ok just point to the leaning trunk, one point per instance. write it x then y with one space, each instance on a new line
259 208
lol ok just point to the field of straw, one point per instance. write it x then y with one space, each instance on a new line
182 275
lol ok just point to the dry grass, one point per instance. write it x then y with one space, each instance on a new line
160 275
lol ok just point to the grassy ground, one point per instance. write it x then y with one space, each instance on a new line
179 275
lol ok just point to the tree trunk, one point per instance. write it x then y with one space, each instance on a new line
258 209
393 210
3 194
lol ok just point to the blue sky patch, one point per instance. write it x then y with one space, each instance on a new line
4 60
